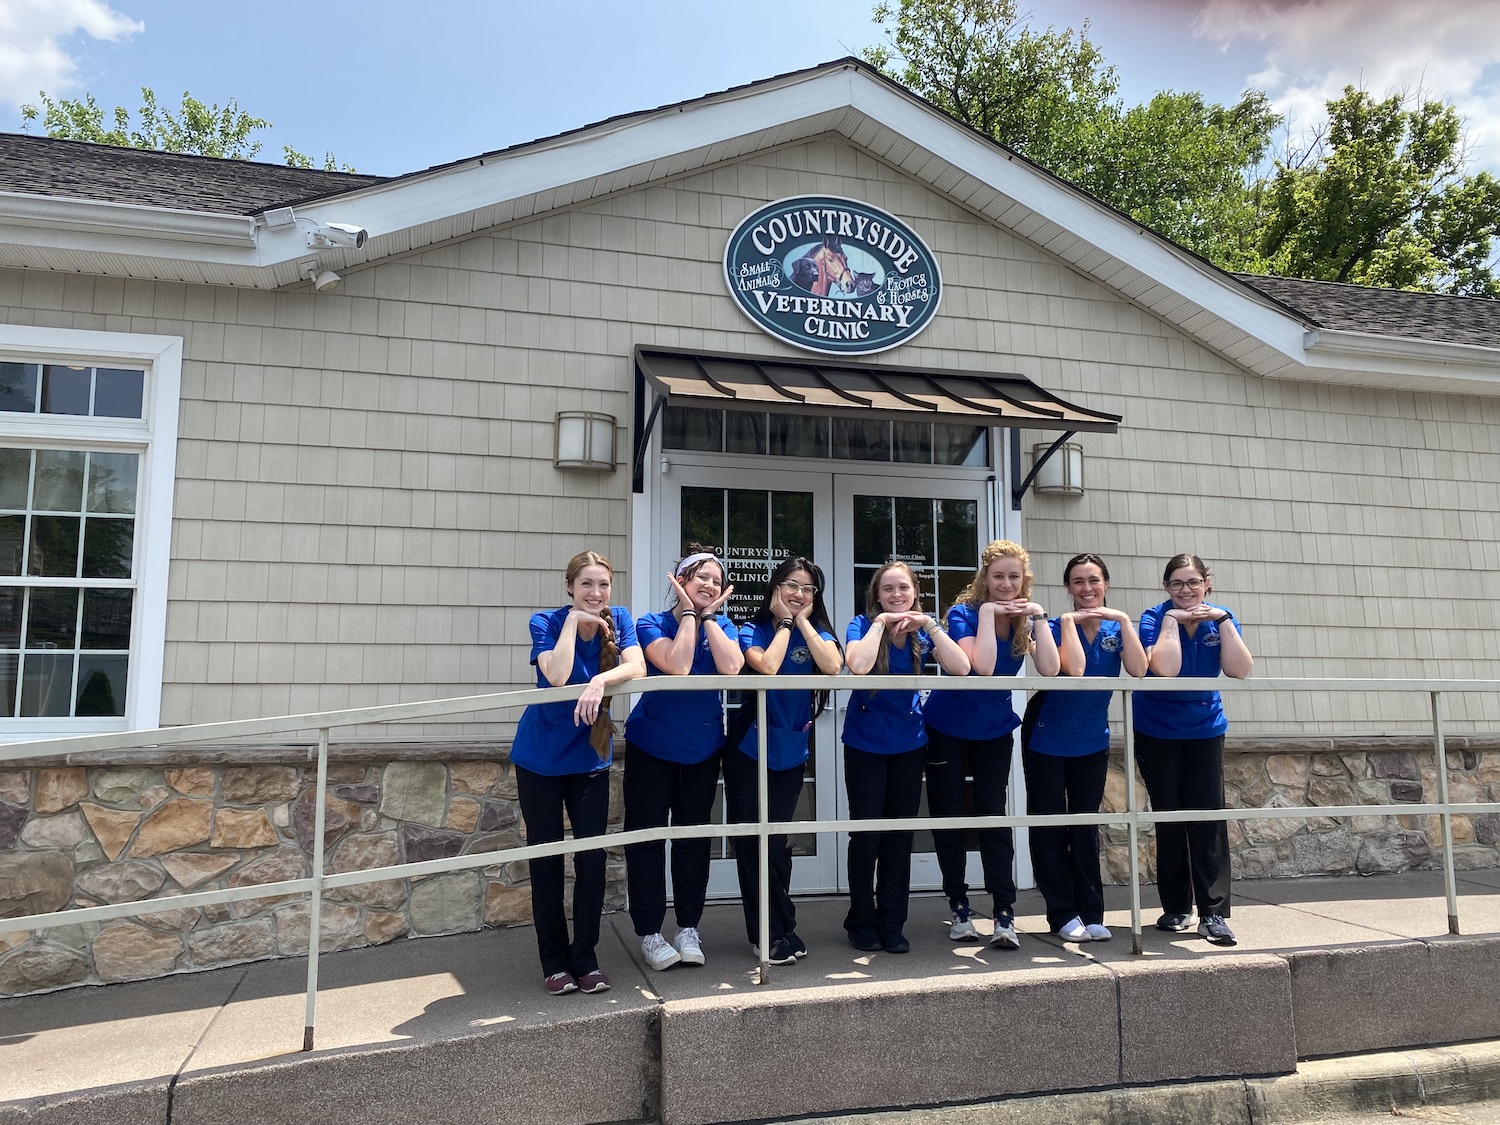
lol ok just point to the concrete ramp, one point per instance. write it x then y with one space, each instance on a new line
444 1031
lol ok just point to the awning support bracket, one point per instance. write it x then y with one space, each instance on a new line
644 423
1019 491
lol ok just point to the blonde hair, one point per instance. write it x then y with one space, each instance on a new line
976 592
873 610
603 729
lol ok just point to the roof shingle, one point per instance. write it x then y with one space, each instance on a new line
107 173
1386 312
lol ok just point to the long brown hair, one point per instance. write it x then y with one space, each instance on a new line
603 729
873 609
975 592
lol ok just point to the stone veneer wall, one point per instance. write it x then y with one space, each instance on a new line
87 835
1300 773
82 835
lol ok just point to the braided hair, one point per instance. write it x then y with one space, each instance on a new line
602 732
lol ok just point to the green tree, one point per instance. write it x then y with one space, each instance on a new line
1176 164
203 130
1179 165
1382 197
1048 96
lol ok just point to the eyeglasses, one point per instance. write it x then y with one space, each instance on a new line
1178 585
800 588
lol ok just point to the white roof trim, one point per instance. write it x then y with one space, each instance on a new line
91 217
1366 359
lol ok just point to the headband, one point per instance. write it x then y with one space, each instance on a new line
700 557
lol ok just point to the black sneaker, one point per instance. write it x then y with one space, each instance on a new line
895 943
797 945
865 939
1216 930
1175 923
781 952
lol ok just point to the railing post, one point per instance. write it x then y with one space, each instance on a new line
763 839
1450 881
1132 807
315 911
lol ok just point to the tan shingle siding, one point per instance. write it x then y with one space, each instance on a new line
367 511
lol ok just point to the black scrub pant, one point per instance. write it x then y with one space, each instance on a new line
1065 860
881 786
656 792
949 760
543 798
784 787
1192 858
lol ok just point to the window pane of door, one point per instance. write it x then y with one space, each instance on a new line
938 537
753 529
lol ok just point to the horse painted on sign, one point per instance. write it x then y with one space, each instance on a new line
823 267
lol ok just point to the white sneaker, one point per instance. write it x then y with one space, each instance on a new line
1098 932
960 927
1073 930
690 946
659 955
1005 931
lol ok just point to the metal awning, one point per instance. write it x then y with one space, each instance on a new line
859 390
863 390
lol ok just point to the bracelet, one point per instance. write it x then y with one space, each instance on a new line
936 626
693 613
787 623
1227 617
1039 617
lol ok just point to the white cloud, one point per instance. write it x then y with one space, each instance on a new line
33 43
1314 48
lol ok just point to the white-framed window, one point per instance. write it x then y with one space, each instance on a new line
88 455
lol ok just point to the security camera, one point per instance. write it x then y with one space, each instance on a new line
324 235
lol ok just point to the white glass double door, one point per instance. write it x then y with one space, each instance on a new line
849 524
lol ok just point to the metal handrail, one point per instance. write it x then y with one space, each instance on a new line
762 828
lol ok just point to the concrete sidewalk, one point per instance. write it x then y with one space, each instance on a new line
459 1028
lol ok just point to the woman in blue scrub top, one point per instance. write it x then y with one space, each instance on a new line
972 733
884 751
672 746
1179 746
790 635
561 756
1065 751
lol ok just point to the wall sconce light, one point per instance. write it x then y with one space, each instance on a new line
585 440
1062 473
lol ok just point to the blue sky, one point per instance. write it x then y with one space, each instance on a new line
392 87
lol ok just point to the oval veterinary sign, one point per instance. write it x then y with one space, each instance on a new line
832 275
